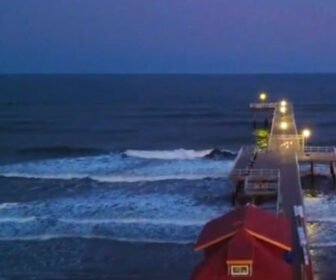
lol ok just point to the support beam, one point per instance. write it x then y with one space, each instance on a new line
233 198
332 171
266 123
312 171
254 124
278 203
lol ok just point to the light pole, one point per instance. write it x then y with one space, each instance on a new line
263 96
306 133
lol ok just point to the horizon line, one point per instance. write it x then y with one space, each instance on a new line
166 73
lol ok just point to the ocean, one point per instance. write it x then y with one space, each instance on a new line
106 176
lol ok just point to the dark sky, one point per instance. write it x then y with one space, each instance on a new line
167 36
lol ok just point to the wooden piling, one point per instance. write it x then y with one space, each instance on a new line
233 198
266 123
332 171
254 124
312 171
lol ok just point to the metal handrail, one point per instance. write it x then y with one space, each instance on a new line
269 105
272 127
319 149
256 172
261 187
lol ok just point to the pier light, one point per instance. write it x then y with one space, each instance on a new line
283 125
263 96
283 109
283 103
306 133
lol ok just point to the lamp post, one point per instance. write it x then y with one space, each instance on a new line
283 109
283 125
306 133
283 103
263 96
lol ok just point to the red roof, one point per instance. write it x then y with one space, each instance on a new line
249 237
267 263
256 222
240 248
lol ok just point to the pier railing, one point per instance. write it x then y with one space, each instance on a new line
262 180
317 149
252 187
318 154
306 267
268 105
260 173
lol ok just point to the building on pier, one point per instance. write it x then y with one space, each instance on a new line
272 174
247 243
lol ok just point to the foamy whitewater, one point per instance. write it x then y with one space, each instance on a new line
145 218
174 154
320 212
135 166
87 161
139 196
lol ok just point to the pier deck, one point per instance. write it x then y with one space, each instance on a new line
285 149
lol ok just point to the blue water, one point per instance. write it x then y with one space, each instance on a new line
98 169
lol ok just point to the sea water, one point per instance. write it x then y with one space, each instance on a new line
106 176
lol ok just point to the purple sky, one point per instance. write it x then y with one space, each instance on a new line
167 36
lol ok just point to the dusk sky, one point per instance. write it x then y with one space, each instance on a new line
171 36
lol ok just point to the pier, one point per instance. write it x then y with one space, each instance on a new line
273 172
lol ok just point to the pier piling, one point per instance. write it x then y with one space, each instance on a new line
332 171
312 171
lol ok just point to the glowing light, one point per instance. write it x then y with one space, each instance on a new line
283 125
283 103
263 96
283 110
306 133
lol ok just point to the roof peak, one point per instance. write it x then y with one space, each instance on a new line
259 223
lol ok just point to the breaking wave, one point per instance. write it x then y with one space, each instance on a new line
115 167
173 154
132 208
113 179
155 217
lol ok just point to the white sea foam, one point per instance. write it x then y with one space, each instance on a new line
127 229
144 221
321 220
109 214
116 178
320 208
7 205
17 220
322 245
137 212
47 237
172 154
116 168
319 169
